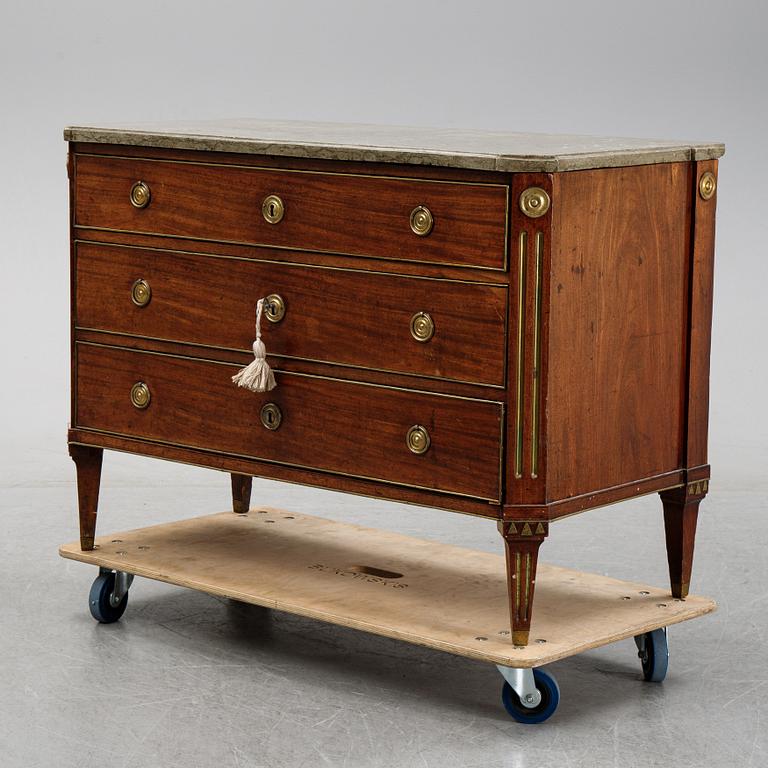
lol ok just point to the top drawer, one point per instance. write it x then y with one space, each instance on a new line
343 213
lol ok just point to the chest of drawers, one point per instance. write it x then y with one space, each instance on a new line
514 327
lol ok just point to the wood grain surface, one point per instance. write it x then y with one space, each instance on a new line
327 424
352 214
617 325
348 317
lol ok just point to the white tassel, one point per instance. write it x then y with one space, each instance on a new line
257 376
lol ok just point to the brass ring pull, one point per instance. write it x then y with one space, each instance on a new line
140 395
534 202
707 185
418 439
274 308
140 195
141 293
272 209
422 221
271 416
422 327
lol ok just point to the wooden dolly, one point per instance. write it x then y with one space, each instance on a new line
436 595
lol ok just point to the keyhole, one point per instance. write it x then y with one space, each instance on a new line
271 416
272 210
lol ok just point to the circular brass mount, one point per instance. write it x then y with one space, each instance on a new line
534 202
422 221
418 439
422 327
274 308
140 395
271 416
141 293
707 185
140 195
272 209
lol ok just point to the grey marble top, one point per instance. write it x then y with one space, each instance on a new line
450 147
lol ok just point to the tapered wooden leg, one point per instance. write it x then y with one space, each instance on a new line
88 464
522 540
681 510
241 493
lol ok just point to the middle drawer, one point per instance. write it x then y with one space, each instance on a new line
445 329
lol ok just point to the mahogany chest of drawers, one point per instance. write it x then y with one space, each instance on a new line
511 326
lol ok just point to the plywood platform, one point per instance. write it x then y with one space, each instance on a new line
436 595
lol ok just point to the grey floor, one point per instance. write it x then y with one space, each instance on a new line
189 680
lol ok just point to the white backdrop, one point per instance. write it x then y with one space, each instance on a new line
690 70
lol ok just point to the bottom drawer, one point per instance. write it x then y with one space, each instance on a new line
348 428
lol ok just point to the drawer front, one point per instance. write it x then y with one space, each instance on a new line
335 426
342 213
339 316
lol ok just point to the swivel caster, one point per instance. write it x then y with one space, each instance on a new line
529 695
109 595
653 651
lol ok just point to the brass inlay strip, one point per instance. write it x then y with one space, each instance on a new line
518 576
526 598
536 356
521 278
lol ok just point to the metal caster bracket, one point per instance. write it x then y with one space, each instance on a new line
522 683
640 641
123 583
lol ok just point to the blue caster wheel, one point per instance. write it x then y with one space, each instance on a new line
104 608
654 654
550 698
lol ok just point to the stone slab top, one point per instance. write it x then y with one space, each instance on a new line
447 147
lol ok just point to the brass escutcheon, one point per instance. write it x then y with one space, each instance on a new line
534 202
273 209
707 185
271 416
422 220
422 327
141 293
417 439
274 308
140 396
140 195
